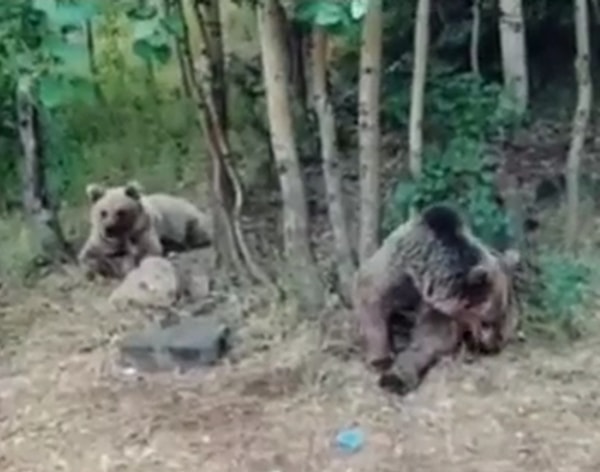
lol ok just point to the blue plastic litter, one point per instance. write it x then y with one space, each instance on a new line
351 439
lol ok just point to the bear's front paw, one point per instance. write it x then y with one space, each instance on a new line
399 381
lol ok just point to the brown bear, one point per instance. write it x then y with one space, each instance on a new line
433 273
127 226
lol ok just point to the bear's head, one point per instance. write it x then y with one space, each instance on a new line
115 211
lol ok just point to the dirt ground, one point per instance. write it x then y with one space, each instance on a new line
65 405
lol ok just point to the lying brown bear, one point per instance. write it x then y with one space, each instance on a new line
127 226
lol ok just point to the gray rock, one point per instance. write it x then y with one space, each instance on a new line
186 344
153 283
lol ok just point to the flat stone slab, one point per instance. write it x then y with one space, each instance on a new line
187 344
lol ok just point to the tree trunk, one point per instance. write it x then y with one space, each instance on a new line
226 192
420 56
580 119
91 47
295 213
331 165
514 55
47 239
475 32
369 132
208 16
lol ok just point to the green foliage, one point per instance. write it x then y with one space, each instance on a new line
339 18
462 112
152 35
556 307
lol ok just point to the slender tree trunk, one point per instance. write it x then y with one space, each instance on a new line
295 213
420 56
514 53
47 238
91 47
369 130
208 16
475 32
186 80
580 119
226 192
331 165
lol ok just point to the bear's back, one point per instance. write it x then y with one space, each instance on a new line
171 215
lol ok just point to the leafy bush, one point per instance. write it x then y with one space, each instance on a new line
463 112
555 308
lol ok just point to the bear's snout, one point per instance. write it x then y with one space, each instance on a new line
115 230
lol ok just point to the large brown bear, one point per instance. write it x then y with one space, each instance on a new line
435 276
127 226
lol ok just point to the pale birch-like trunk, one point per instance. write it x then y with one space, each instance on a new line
331 164
514 52
46 236
295 212
475 32
580 119
420 57
369 130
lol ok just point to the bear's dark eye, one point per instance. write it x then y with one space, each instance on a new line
103 214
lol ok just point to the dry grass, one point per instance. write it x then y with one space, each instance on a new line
66 405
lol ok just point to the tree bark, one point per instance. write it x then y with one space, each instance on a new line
420 56
295 213
331 165
514 54
580 119
369 130
475 32
208 16
46 236
226 192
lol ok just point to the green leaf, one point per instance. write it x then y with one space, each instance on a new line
143 29
174 25
82 90
150 52
142 12
329 14
61 15
143 49
52 90
72 56
358 8
322 12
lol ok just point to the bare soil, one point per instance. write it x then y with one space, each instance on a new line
65 404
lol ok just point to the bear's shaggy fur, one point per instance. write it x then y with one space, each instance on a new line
433 273
127 226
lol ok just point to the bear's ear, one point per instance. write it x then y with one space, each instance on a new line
133 190
95 192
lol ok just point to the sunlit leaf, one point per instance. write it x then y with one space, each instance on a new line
358 8
329 14
143 29
62 15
